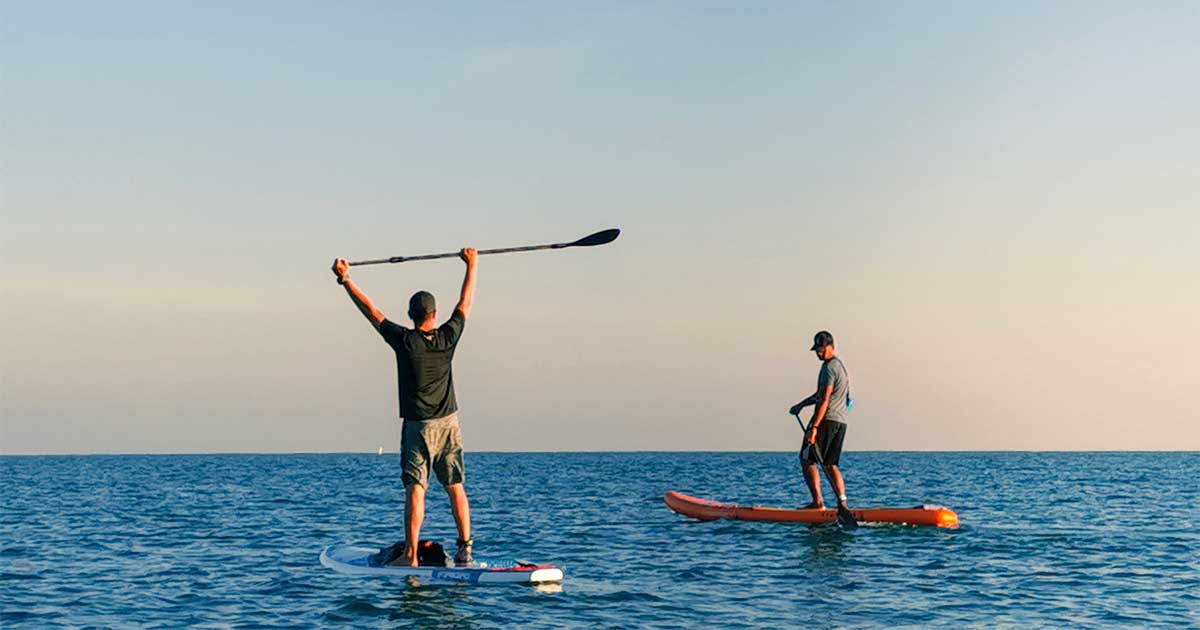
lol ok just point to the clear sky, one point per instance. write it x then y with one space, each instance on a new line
993 207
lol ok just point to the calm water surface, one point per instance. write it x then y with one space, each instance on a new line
1052 540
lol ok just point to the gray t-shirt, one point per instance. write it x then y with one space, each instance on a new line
834 373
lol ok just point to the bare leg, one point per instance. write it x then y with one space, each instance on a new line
813 479
835 479
461 509
414 516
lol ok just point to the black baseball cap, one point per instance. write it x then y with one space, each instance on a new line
822 339
420 305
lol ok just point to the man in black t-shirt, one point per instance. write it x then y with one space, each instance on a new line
430 435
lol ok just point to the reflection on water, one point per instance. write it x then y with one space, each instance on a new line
412 603
826 541
431 606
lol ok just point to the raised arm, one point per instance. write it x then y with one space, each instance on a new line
341 269
467 294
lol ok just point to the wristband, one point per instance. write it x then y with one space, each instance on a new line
343 279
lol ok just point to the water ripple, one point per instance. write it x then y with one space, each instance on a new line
1081 540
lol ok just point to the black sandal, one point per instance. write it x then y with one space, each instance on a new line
463 556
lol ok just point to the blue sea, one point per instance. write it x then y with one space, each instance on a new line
1048 540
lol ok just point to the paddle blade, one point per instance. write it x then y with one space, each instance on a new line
846 517
599 238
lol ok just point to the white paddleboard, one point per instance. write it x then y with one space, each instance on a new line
352 559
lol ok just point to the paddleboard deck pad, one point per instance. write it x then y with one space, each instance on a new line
705 510
353 559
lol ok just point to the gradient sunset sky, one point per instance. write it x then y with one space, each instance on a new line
994 207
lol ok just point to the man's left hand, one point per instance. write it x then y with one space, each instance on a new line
341 269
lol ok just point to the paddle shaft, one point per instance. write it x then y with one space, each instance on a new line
816 449
846 518
501 250
599 238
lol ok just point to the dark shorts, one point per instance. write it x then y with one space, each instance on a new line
432 444
830 435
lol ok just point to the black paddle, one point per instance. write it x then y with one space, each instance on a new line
599 238
845 517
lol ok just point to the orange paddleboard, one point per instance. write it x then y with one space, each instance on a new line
705 510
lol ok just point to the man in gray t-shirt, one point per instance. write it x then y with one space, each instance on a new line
827 430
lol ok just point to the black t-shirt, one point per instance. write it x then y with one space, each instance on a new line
423 367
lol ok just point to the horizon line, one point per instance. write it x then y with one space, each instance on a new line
502 452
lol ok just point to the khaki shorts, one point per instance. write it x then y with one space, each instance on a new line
436 444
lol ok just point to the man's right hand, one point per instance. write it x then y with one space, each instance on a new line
467 295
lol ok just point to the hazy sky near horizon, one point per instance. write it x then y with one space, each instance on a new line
993 206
